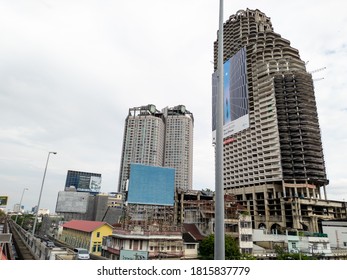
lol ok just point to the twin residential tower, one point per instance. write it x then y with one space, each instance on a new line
158 138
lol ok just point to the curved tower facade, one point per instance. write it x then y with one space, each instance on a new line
273 159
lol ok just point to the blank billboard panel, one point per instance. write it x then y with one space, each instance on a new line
73 202
151 185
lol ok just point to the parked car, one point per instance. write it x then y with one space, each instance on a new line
50 244
82 253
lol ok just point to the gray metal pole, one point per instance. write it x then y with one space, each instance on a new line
20 203
219 245
38 203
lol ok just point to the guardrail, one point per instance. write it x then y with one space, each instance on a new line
39 250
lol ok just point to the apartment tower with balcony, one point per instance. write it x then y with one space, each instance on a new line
158 138
178 152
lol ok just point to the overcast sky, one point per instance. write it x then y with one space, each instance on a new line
70 70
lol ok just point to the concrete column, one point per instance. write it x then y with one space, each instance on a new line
325 193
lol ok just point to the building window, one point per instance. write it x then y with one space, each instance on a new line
244 224
98 234
190 246
246 237
246 250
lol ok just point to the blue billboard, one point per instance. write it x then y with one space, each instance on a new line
151 185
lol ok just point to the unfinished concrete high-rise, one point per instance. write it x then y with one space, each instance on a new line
273 160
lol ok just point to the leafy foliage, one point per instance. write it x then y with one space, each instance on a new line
2 215
283 255
25 221
232 251
206 248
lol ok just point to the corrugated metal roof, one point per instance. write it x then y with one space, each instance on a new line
194 231
83 225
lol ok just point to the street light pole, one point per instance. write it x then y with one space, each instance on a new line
20 203
219 242
38 203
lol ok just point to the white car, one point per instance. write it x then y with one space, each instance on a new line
50 244
82 253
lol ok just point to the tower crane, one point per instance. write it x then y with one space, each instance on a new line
315 71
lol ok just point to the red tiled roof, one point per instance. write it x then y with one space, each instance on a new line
3 256
83 225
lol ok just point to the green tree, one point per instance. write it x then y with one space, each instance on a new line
2 215
206 248
232 251
25 220
283 255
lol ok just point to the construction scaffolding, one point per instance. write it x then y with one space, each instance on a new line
149 228
148 218
198 207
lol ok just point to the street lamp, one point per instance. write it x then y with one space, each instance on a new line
38 203
219 246
20 203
